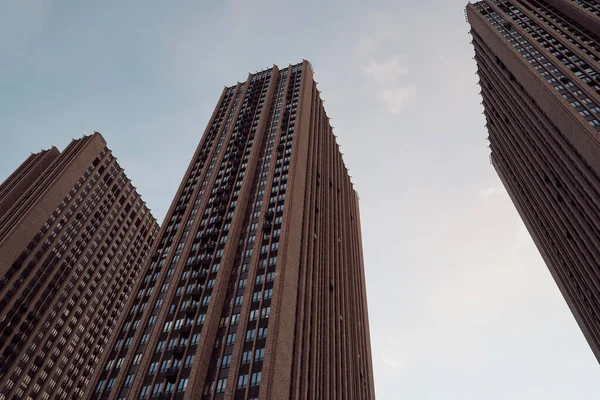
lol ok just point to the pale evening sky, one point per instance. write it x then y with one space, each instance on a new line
461 304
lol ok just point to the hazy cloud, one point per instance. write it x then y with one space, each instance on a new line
386 72
489 192
393 363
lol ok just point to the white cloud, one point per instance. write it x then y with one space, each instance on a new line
385 72
395 98
393 363
489 192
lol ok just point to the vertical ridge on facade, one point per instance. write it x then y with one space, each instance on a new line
255 288
74 236
540 82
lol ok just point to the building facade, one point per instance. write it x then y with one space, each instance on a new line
255 288
73 237
540 82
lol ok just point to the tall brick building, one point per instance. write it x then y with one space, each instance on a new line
255 288
73 237
540 82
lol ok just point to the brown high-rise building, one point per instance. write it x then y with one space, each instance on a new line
255 289
540 81
74 235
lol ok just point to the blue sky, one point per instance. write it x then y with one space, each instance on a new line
461 304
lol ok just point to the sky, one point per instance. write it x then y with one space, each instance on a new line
461 305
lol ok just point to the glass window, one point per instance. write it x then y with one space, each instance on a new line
145 392
246 357
259 355
221 385
242 381
189 360
128 380
230 339
182 385
226 361
255 381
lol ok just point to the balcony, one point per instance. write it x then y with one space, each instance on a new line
178 351
191 311
196 293
200 275
185 331
171 374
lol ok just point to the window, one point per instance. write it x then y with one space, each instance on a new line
195 339
246 357
221 384
208 387
189 360
255 381
153 368
128 380
169 386
230 339
254 315
165 365
157 389
145 392
242 381
110 384
226 361
265 312
262 333
250 335
259 355
182 385
145 338
137 358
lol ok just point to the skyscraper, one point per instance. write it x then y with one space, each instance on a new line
73 236
540 82
255 289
